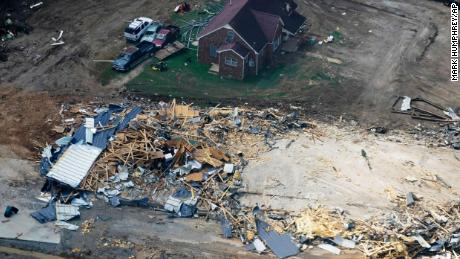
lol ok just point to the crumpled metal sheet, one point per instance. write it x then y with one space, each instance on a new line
46 214
66 212
281 244
73 166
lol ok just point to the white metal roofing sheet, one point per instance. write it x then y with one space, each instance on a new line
74 164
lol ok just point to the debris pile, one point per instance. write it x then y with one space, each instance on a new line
419 108
420 228
188 162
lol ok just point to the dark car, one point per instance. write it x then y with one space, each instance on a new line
132 56
166 35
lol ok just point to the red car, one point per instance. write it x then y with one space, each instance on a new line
165 36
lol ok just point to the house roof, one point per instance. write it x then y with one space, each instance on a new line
285 9
267 22
246 24
235 46
230 10
255 21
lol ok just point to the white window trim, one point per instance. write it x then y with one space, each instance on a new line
233 62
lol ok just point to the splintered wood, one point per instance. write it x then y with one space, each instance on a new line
131 148
182 111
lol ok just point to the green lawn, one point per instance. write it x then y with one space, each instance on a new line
193 80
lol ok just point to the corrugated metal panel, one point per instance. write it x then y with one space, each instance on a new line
131 115
101 138
66 212
74 164
100 119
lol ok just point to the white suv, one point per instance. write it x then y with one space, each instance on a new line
136 28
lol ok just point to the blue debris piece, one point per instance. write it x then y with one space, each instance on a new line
101 138
182 193
64 141
100 119
186 211
131 115
226 227
79 135
281 244
115 108
116 201
46 214
46 162
143 202
45 166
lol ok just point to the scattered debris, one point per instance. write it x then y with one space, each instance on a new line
364 154
379 130
281 244
65 225
188 162
330 248
182 8
58 40
10 211
36 5
344 242
259 246
423 109
86 226
410 199
46 214
66 212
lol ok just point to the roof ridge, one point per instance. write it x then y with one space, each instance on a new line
265 13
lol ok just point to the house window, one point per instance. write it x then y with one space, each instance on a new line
251 63
213 51
230 36
231 62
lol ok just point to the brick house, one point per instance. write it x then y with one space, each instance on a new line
242 38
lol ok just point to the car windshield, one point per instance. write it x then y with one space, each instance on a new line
161 36
124 56
149 32
129 30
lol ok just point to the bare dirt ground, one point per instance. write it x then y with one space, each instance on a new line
389 48
330 170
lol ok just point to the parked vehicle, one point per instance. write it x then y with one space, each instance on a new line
166 35
136 28
151 32
133 56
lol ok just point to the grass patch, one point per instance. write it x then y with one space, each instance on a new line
107 74
193 80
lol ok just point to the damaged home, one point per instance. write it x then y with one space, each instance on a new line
244 37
